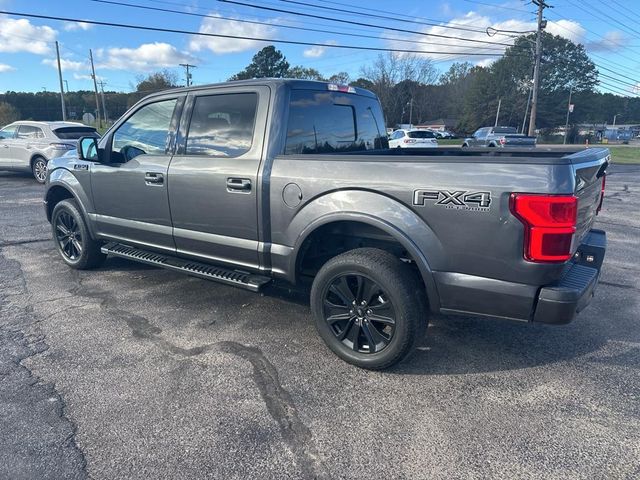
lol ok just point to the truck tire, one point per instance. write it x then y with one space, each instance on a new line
39 169
72 238
369 307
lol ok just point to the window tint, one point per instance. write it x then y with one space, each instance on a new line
421 134
505 130
27 131
8 132
146 131
324 122
222 125
74 133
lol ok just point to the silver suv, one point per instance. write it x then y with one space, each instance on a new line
29 146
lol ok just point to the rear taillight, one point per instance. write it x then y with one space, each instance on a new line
604 180
549 221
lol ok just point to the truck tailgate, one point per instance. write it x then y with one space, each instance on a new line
589 169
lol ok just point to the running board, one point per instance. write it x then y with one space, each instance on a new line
237 278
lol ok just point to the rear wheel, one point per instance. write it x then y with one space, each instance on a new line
72 238
369 307
39 169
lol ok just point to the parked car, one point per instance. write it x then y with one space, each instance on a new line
28 146
499 137
244 182
444 134
412 139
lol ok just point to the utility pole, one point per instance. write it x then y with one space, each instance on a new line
104 108
411 113
188 74
498 112
526 111
95 88
566 123
66 85
536 71
64 109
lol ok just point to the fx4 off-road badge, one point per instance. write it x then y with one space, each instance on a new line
457 200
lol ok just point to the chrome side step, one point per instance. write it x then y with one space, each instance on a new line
237 278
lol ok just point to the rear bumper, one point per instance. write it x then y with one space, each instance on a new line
556 303
561 301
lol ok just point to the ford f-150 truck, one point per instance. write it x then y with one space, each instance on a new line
499 137
245 182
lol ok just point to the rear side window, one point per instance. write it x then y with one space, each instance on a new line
28 131
421 134
222 125
326 122
74 133
505 130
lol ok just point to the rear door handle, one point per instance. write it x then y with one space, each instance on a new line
153 178
238 185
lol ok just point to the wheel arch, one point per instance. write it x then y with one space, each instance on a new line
375 211
63 185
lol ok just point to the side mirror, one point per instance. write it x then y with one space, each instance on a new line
88 149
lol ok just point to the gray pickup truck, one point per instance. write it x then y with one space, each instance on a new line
246 182
497 137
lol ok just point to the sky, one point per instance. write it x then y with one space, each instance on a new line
610 32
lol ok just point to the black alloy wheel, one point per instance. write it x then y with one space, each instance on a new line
68 236
359 313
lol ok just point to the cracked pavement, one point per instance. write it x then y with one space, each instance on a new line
135 372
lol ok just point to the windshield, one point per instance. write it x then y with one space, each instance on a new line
74 133
421 134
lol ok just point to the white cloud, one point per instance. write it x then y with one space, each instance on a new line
74 26
146 57
65 64
221 45
450 48
6 68
610 41
19 35
317 52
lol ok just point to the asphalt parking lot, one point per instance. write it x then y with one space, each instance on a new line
134 372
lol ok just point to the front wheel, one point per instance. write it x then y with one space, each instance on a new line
39 169
72 238
369 307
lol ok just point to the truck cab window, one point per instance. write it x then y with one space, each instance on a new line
222 125
327 122
144 132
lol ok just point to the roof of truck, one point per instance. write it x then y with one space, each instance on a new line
293 83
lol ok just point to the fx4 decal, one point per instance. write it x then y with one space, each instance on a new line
457 199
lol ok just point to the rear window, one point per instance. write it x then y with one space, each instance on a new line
421 134
505 130
327 122
74 133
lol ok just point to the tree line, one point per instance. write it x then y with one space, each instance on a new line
410 89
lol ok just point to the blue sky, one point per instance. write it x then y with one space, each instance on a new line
610 31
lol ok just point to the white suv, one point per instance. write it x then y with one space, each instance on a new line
414 138
28 146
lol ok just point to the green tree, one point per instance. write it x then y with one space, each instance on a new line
268 62
157 81
304 73
8 113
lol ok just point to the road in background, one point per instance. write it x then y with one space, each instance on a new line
135 372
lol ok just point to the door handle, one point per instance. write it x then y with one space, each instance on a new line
239 184
153 178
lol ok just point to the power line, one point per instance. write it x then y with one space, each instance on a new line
362 24
254 22
238 37
384 17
